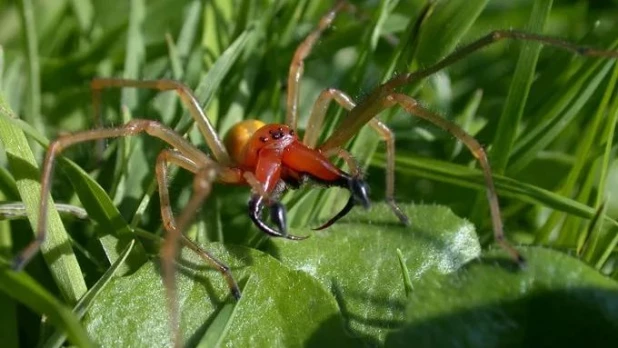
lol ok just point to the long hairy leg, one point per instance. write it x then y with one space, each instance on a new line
133 127
298 61
205 175
489 39
186 96
414 108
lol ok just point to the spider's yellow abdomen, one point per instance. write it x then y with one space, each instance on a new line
238 136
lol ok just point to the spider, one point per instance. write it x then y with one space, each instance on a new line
270 158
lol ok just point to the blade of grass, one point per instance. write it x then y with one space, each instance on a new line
448 22
607 137
17 210
606 240
57 248
27 291
579 92
93 197
509 121
8 315
33 110
459 175
84 12
407 282
590 239
582 157
177 53
208 85
1 67
168 105
7 185
58 337
8 322
217 331
466 119
102 209
189 30
216 15
135 51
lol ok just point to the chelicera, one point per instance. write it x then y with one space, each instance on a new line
270 158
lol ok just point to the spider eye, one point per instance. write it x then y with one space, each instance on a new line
277 134
263 139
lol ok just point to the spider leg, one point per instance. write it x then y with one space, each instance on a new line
186 96
213 261
316 121
491 38
414 108
205 175
298 61
378 101
133 127
347 157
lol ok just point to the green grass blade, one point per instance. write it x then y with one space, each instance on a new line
579 92
572 229
102 209
216 332
18 210
33 112
8 321
509 121
26 290
447 24
58 337
84 12
189 29
94 198
407 282
467 120
57 248
459 175
1 66
135 51
208 86
590 245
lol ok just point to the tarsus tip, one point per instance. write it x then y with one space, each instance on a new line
18 263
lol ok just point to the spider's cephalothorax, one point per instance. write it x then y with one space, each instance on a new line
272 155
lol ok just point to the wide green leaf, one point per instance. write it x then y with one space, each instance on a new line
357 259
26 290
279 307
56 249
557 301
